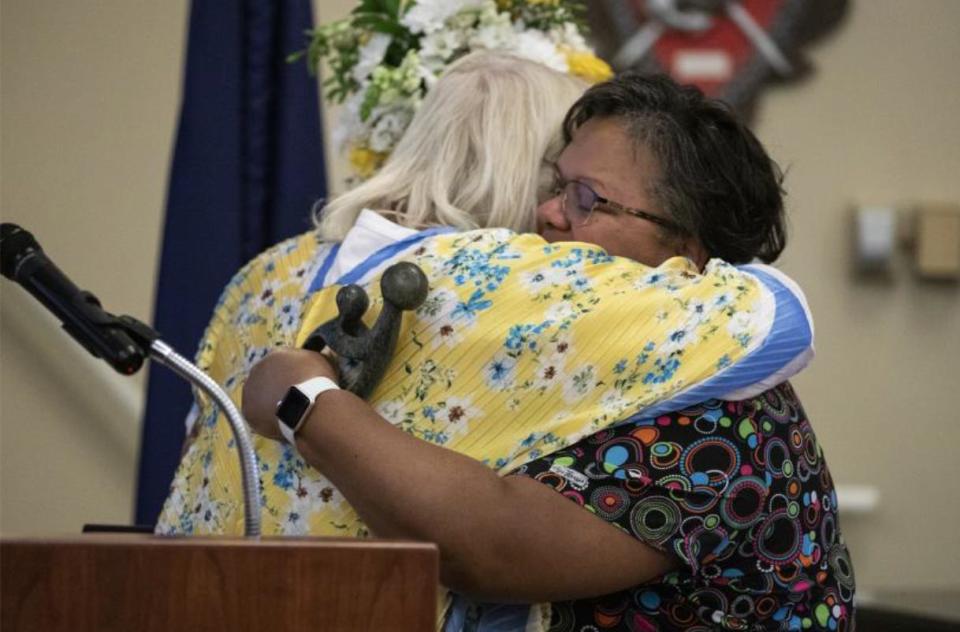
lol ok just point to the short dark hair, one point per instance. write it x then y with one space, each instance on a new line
716 180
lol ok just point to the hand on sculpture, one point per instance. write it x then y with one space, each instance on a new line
269 381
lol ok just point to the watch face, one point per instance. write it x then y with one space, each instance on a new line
293 407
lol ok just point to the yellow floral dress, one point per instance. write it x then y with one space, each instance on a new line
521 349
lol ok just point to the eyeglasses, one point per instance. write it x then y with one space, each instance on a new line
579 202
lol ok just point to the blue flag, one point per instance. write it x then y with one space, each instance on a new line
247 167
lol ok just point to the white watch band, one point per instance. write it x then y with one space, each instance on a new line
311 389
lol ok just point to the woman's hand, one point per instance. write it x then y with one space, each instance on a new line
269 381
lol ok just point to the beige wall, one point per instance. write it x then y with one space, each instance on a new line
877 124
89 103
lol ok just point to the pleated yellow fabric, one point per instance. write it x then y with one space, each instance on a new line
521 348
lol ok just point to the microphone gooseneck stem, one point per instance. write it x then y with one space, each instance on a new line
165 355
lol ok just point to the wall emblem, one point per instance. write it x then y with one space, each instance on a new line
729 48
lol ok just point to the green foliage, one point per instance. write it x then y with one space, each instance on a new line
338 43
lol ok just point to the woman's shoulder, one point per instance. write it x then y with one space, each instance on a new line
271 283
290 257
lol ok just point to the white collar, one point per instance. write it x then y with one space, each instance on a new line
370 233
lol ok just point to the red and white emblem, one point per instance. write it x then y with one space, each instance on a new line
728 48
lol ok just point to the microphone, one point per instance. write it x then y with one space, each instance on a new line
123 342
23 260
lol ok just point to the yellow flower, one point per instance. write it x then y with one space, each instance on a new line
365 161
587 66
550 3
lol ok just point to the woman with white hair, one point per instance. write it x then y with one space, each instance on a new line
478 154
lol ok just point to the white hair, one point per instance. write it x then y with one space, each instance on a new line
477 153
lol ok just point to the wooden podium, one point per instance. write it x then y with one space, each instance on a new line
149 583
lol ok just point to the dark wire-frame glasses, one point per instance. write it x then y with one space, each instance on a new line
579 202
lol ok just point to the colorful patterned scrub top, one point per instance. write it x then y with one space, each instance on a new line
739 493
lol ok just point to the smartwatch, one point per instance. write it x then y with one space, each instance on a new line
293 409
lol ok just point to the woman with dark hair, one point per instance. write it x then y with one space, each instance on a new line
717 191
736 493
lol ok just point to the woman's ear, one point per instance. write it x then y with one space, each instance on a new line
692 249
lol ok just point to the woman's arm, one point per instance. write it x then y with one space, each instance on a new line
500 539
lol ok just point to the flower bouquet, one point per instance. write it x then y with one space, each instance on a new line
384 58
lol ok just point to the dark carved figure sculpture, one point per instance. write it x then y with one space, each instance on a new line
364 352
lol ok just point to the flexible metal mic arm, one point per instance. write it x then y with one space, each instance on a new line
166 356
146 340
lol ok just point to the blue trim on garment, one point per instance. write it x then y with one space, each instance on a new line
469 616
388 252
789 336
456 615
317 283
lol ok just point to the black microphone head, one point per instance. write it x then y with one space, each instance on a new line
15 244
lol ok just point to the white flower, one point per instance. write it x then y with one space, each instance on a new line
500 372
579 383
443 326
697 311
288 316
296 521
390 123
254 355
722 300
427 16
494 37
579 283
371 54
470 16
561 311
438 303
438 47
568 35
549 371
679 338
314 491
489 14
538 280
350 128
613 402
206 512
536 46
393 411
267 296
429 76
448 332
741 323
562 347
457 414
655 278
